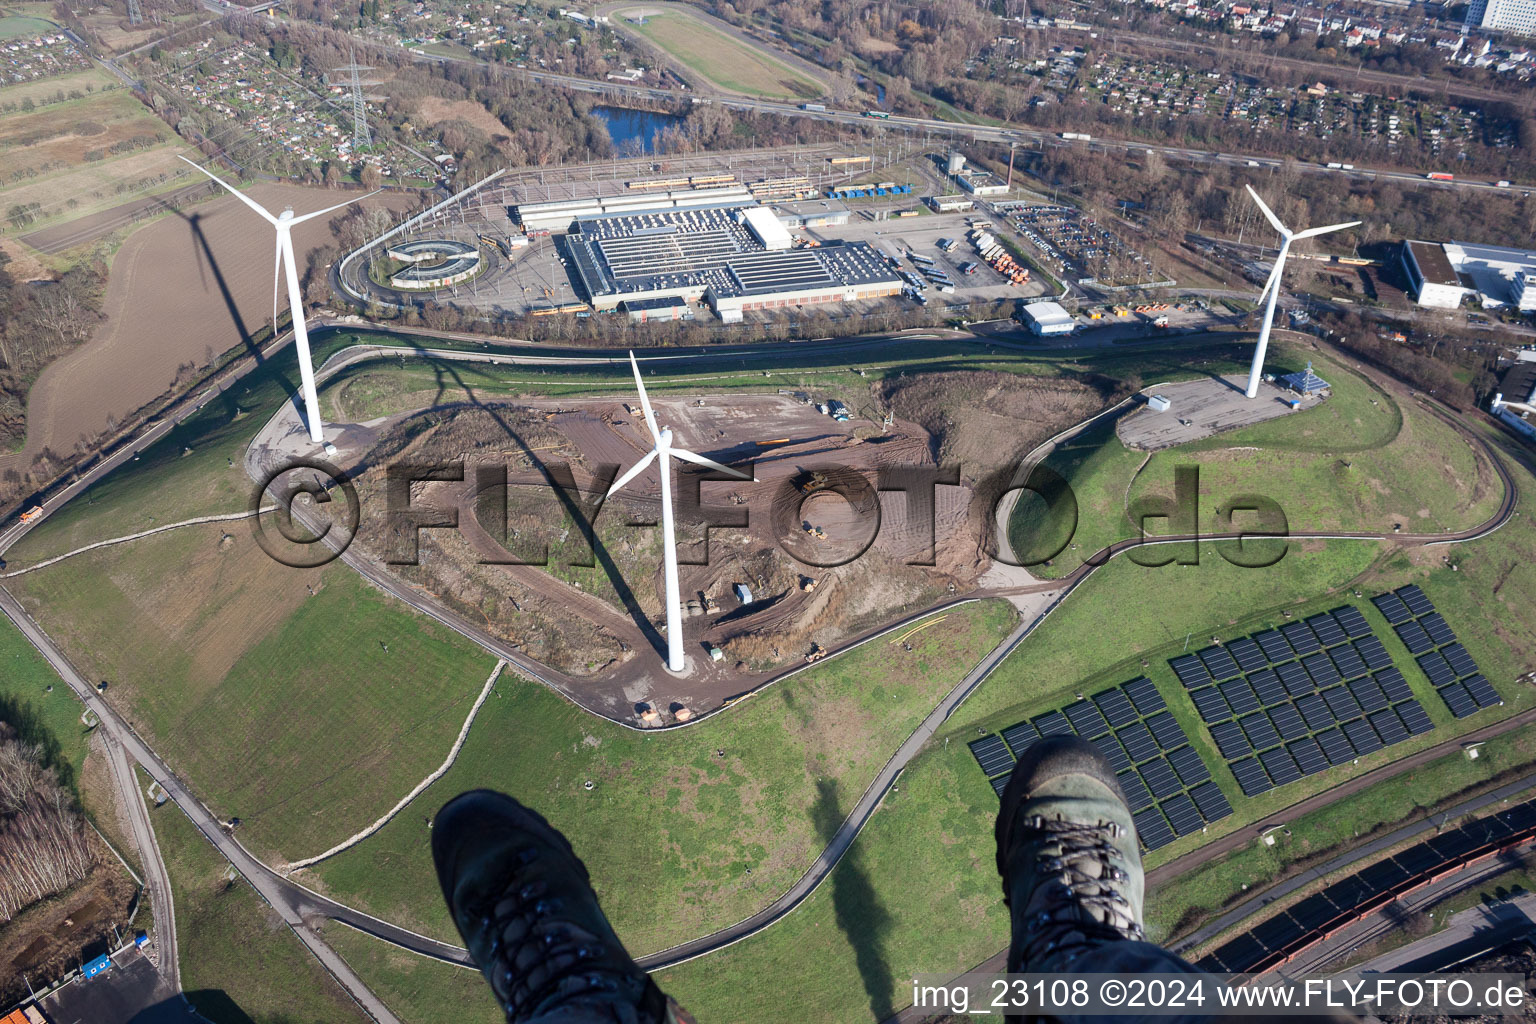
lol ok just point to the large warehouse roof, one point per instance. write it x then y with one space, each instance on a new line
765 227
1049 315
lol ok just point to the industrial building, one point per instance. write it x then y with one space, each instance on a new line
738 257
562 215
812 213
1047 318
981 183
1516 399
1443 274
433 263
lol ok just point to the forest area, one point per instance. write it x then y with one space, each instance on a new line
40 321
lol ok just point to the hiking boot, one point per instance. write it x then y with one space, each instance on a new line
524 904
1067 853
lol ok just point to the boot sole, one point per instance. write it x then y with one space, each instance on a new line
1051 758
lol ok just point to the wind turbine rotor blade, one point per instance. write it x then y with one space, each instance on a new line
1314 232
645 401
332 209
1273 281
699 460
634 471
247 200
1268 213
277 269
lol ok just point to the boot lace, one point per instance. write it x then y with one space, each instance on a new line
540 956
1080 899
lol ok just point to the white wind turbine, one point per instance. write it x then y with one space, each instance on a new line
664 449
1272 286
284 223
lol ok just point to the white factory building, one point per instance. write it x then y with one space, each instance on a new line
1047 318
1442 275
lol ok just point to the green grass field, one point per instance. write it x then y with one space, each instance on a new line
16 26
277 706
416 989
239 962
724 60
48 716
680 839
1359 461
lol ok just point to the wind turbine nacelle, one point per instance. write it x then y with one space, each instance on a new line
664 439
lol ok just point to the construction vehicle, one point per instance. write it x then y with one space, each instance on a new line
816 653
816 481
808 584
35 512
814 531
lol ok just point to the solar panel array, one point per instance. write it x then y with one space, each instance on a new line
1432 642
1286 703
1164 779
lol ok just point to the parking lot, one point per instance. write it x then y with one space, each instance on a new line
921 235
1200 408
1079 246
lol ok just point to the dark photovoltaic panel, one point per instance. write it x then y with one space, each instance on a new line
1113 752
1268 686
999 784
1414 598
1053 723
1250 777
1342 703
1167 731
1295 677
1182 815
1136 794
1362 737
1414 638
1301 637
1348 661
1458 700
1259 730
1435 625
1280 765
1393 685
1211 705
1190 671
1152 828
1391 606
1327 629
1159 777
1351 621
1460 661
1388 726
1020 737
1218 663
1374 652
1315 710
992 755
1436 667
1335 746
1308 755
1115 706
1230 740
1320 668
1138 741
1482 691
1211 801
1240 695
1369 693
1144 695
1274 646
1086 720
1288 722
1190 766
1414 717
1250 656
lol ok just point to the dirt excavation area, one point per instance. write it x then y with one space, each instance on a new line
848 525
182 291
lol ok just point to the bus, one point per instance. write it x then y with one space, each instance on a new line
922 261
881 114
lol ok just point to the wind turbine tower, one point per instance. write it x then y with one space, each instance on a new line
361 139
284 223
1272 286
665 452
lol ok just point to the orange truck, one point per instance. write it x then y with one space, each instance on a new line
35 512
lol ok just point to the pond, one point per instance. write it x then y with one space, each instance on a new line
626 126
